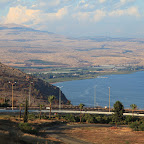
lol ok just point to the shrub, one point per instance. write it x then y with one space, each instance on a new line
135 125
106 119
44 116
27 128
89 118
70 118
32 116
141 127
128 119
98 119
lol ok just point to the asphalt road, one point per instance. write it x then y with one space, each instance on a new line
71 111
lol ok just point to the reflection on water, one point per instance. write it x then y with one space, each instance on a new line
127 88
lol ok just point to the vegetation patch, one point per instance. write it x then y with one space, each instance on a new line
27 128
41 62
137 125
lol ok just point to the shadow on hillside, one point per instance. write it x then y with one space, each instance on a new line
11 134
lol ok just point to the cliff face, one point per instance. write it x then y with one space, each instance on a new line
26 85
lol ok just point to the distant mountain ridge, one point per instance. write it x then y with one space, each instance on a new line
20 28
22 46
40 90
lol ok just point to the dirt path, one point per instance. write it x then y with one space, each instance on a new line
58 132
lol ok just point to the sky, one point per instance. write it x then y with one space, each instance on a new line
76 18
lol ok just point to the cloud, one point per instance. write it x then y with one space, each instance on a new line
50 3
102 1
82 2
4 1
126 1
132 11
98 15
56 16
122 3
94 16
81 16
21 15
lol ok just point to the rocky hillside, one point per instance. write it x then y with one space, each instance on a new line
24 85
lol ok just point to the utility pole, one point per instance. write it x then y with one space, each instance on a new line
94 96
59 96
12 83
109 99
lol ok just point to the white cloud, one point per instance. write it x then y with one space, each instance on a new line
117 13
82 2
132 11
98 15
50 3
58 15
90 16
82 16
4 1
126 1
122 3
21 15
102 1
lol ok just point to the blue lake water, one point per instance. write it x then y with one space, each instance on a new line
127 88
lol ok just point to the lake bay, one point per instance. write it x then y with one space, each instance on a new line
127 88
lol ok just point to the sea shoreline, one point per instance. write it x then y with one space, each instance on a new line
101 74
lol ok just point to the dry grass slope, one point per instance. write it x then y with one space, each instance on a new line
40 90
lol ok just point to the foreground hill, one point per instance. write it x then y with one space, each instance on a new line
25 47
39 90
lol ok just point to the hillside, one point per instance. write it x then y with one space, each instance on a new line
25 47
39 89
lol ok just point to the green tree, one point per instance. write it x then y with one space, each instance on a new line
50 99
26 112
20 108
81 107
68 102
118 112
41 106
134 107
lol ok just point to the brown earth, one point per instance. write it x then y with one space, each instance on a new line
66 133
11 134
107 135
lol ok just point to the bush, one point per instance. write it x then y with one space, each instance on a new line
27 128
106 119
44 116
70 118
32 116
89 118
135 125
128 119
98 119
141 127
